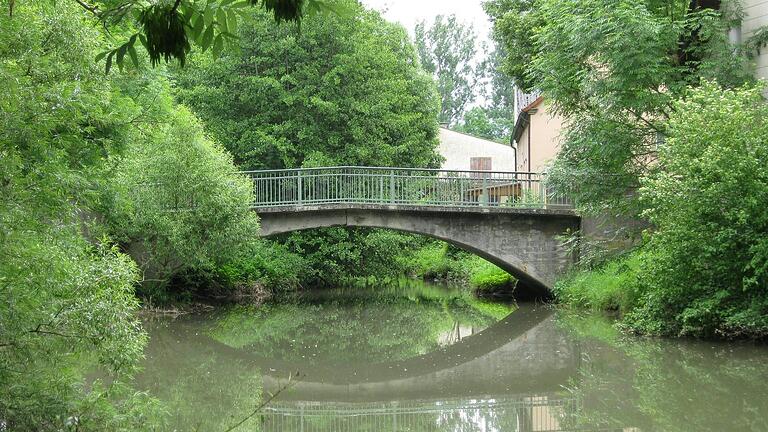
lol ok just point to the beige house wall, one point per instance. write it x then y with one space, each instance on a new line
544 131
756 16
458 149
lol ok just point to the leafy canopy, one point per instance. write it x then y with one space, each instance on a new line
613 69
446 50
344 91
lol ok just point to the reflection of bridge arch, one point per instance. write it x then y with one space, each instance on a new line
516 355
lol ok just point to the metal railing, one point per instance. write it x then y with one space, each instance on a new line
402 186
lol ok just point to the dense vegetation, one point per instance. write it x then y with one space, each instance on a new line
664 125
113 193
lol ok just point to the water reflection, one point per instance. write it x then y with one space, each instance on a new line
432 359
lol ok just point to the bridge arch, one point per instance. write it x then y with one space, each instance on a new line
521 241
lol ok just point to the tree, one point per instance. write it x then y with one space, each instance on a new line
344 91
66 292
495 119
613 70
446 50
175 203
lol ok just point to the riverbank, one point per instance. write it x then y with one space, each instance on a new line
644 305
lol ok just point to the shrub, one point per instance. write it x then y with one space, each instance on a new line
177 205
611 287
707 270
488 277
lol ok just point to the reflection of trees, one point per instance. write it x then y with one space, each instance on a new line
201 389
668 385
340 329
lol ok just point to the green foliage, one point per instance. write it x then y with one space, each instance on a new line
494 119
514 25
703 270
64 301
610 287
707 270
344 91
613 70
168 28
488 277
339 254
440 261
176 203
446 49
164 32
266 263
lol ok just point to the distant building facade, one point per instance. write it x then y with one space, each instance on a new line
536 137
466 152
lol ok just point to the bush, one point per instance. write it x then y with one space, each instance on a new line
488 277
267 264
707 270
177 205
611 287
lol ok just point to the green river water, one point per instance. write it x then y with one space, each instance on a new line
419 357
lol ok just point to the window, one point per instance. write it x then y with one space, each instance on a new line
480 164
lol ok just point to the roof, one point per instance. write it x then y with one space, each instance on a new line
523 119
470 139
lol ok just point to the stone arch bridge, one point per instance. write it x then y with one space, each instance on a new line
509 218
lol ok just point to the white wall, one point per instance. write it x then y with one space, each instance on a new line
756 16
457 149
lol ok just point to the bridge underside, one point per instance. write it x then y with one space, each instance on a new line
522 241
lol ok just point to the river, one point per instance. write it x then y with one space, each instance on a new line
419 357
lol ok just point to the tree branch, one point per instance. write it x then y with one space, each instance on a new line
92 9
271 397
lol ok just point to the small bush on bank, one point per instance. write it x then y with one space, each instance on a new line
440 261
267 264
611 287
488 277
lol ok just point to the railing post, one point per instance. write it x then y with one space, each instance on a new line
381 188
299 187
484 197
392 186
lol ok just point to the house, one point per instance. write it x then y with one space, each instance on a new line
466 152
536 136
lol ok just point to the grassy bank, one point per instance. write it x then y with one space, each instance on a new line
440 261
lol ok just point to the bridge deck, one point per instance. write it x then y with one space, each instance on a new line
296 208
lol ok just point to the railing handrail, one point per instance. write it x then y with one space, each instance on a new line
389 169
401 186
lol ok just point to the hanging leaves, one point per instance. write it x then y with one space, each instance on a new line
284 10
164 29
169 28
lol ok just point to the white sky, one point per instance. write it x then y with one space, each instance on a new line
409 12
